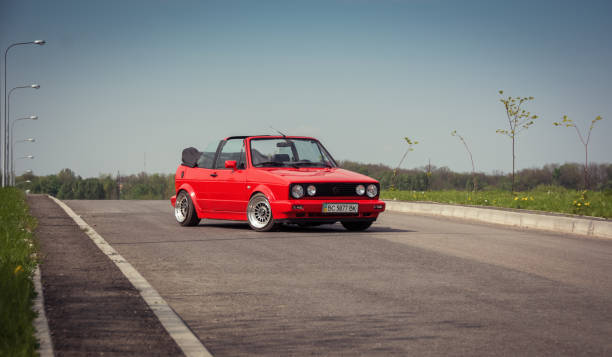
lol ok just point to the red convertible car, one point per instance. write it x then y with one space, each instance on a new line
269 180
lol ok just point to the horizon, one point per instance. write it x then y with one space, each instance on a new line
416 168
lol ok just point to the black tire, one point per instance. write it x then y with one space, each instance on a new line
184 210
259 213
357 225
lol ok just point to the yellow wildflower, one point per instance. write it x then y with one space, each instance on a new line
579 204
516 198
18 269
586 203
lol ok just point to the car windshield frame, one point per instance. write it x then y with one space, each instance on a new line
328 160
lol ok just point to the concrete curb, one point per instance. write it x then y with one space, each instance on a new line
595 227
40 323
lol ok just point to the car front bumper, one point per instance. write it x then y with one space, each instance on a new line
312 210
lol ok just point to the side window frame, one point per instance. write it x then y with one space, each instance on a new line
214 157
222 144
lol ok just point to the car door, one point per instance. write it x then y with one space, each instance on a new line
227 188
200 176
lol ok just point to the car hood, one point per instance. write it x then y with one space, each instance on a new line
308 175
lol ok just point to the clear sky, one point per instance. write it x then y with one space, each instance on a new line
123 78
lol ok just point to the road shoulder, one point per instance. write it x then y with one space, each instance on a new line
91 306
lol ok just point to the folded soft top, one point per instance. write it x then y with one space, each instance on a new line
190 157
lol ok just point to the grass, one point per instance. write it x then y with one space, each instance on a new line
544 198
17 264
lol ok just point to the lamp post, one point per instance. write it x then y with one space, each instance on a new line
26 157
24 182
6 121
28 140
9 132
10 166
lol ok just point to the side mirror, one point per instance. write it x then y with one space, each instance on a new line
230 164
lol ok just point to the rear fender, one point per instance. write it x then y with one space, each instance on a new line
187 187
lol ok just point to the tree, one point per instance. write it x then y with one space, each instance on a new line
66 191
569 175
66 176
568 123
518 120
454 133
410 148
50 185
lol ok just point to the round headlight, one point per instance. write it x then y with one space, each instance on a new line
297 191
372 191
311 190
360 190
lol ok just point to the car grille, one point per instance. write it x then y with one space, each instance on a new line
335 189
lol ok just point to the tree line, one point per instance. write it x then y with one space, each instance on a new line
68 185
569 175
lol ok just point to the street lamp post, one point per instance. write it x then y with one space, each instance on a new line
24 182
28 140
9 132
10 169
6 120
26 157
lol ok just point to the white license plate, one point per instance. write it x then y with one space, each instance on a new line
341 208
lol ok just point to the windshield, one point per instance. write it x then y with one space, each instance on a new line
289 152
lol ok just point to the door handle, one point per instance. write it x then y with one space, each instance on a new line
214 174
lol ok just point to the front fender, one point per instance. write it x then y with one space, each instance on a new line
266 191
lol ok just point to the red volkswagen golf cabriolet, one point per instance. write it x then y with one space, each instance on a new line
269 180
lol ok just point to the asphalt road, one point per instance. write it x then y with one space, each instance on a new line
410 285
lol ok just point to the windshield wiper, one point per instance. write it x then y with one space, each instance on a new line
270 163
310 163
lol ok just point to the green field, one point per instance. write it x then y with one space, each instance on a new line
17 264
544 198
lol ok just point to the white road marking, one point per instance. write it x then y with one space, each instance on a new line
40 323
178 330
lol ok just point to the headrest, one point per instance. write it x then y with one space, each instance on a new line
281 157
